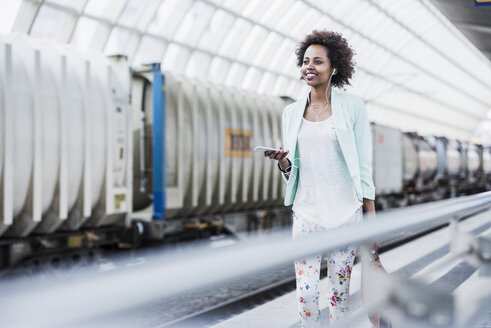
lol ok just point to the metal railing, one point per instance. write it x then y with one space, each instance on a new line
61 302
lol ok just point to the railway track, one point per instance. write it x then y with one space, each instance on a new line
221 311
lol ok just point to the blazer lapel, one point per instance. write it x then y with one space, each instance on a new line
296 122
345 136
337 110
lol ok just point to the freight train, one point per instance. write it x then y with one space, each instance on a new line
411 169
77 150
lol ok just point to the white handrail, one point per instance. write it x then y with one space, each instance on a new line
88 295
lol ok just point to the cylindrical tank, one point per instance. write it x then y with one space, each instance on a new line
486 161
410 159
453 158
428 160
64 136
438 144
473 162
210 133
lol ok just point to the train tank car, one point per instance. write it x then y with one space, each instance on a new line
456 166
210 133
474 162
486 166
423 184
64 138
471 172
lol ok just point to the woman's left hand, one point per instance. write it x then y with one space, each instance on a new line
369 205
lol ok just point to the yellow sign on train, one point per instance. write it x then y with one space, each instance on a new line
238 143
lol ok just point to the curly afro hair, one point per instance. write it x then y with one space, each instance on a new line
339 53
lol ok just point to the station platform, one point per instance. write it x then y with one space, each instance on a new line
424 259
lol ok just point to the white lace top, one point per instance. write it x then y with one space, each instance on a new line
326 194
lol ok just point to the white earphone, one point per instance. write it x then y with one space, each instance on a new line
333 71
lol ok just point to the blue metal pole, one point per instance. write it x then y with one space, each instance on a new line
158 142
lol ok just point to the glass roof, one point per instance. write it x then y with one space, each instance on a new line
414 71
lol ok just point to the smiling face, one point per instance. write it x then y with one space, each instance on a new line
316 67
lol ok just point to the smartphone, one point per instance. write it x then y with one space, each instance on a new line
265 149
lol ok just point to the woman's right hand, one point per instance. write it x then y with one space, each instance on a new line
279 156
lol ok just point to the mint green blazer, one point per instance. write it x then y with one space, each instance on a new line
353 131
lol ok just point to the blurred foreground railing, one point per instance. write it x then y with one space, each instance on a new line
88 295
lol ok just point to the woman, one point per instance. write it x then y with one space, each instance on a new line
327 164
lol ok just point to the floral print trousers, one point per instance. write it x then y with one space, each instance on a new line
307 271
